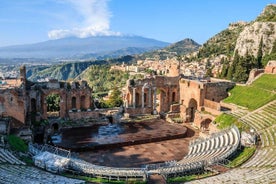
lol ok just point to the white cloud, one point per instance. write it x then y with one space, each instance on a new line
95 20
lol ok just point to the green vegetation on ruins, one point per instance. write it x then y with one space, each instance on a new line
226 120
189 177
271 56
17 144
259 93
242 155
101 180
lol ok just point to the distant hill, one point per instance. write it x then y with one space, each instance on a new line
241 47
70 70
243 37
182 47
75 48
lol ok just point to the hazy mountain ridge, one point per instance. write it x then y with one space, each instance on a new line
182 47
74 48
69 70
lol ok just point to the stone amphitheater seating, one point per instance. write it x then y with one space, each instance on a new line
261 168
7 157
202 152
219 146
16 174
13 170
260 120
242 176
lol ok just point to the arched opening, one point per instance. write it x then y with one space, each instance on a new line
33 109
55 127
137 99
204 125
53 105
161 101
74 103
173 97
33 105
273 70
191 110
82 102
145 98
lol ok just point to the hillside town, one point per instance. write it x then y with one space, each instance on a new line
180 113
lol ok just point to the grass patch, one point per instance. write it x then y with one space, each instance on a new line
259 93
27 160
17 144
226 120
242 156
101 180
189 177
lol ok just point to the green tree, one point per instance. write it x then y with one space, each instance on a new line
209 73
260 54
53 101
232 68
241 71
224 70
271 56
115 99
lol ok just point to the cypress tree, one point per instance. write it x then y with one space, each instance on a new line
260 54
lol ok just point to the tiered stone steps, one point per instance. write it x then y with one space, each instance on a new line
261 168
261 118
15 174
7 157
238 113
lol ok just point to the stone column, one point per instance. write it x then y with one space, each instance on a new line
143 91
126 103
133 97
154 101
149 97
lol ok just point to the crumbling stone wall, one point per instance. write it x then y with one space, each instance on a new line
194 95
80 93
151 95
271 67
26 101
217 91
12 104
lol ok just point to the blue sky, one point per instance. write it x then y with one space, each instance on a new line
31 21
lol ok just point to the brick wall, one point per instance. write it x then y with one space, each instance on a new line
211 104
84 114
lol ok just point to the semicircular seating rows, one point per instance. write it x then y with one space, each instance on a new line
14 171
261 168
202 153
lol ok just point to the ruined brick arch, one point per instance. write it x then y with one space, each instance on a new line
33 105
127 99
273 70
162 97
74 103
145 97
137 99
173 96
82 102
62 108
204 124
190 111
55 126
